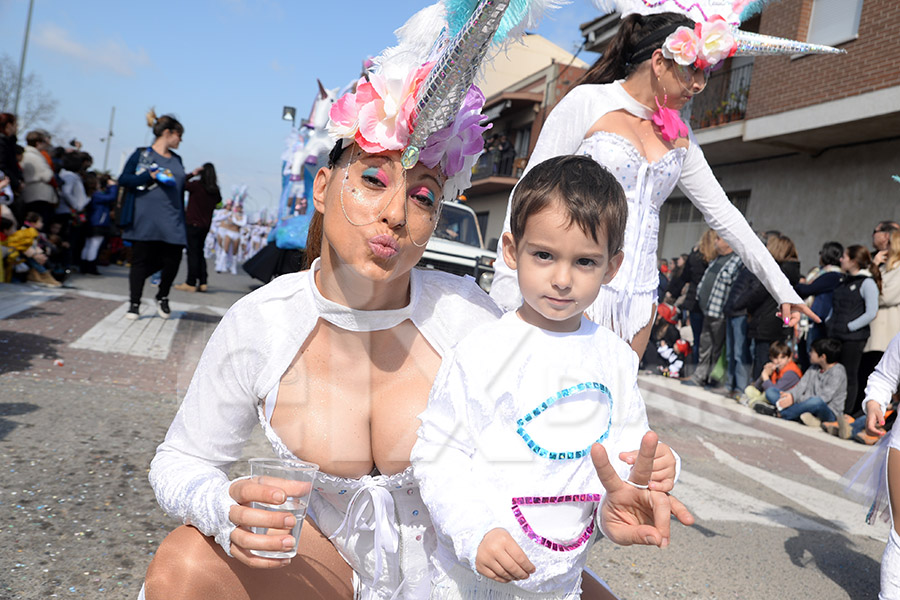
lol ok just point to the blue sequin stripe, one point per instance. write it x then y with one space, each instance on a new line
536 448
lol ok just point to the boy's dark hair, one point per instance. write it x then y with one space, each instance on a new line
778 349
5 223
830 348
590 194
32 217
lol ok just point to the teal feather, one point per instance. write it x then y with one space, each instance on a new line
753 8
459 11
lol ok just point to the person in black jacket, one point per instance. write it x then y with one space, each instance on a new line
764 324
9 125
820 284
694 267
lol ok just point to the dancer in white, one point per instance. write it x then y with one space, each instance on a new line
623 115
882 383
504 457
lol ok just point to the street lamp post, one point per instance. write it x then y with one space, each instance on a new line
112 115
289 113
22 61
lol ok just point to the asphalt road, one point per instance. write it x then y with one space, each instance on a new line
78 518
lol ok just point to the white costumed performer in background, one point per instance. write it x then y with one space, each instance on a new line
623 114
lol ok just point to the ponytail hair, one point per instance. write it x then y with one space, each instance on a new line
638 37
860 255
163 123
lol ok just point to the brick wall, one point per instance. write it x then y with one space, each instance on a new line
872 61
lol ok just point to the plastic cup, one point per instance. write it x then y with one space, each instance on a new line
296 478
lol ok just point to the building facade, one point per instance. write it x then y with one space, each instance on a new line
805 145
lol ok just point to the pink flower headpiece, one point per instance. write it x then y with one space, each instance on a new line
379 117
704 46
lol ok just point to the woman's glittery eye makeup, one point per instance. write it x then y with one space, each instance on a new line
376 173
424 192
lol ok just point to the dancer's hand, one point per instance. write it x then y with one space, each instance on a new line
794 312
662 479
500 558
874 419
245 491
630 515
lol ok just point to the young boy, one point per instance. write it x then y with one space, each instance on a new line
504 451
820 394
780 374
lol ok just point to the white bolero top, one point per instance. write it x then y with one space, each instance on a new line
378 523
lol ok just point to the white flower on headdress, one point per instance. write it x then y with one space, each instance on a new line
682 46
716 42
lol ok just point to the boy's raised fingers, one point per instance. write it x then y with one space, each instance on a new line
643 465
609 479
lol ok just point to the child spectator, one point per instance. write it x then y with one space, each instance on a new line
671 350
780 374
7 254
25 242
103 193
820 394
567 228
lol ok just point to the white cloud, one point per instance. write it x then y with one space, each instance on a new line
110 54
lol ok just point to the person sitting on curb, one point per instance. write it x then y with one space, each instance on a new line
780 374
820 394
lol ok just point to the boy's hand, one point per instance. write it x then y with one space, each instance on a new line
636 516
662 479
767 370
874 419
500 558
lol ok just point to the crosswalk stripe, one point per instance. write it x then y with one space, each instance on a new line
820 470
844 514
702 418
14 299
148 336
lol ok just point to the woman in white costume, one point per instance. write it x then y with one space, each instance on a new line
882 384
335 363
624 115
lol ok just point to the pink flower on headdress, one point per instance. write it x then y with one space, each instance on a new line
682 46
450 146
377 116
343 117
716 42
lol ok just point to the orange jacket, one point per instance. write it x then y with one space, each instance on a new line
22 239
779 373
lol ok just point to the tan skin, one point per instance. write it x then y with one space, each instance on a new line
659 77
347 432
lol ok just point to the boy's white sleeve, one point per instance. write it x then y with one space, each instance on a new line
443 459
884 379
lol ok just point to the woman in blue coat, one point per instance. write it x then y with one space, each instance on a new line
155 176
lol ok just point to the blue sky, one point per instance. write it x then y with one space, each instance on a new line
225 68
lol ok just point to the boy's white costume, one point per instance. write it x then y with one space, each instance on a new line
505 442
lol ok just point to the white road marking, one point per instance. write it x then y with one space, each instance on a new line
846 515
818 469
14 298
149 336
702 418
711 501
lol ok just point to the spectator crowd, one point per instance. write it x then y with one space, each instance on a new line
718 327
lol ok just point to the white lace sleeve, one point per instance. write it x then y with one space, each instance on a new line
207 435
883 381
561 134
700 185
442 461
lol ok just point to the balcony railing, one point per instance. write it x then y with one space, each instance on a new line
724 99
493 163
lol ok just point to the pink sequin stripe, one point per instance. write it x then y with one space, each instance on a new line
585 536
686 9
